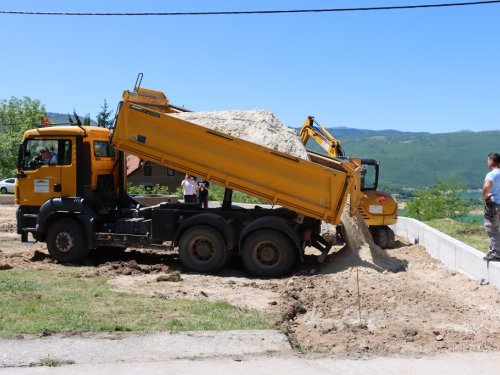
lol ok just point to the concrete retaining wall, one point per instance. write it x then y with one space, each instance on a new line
7 199
153 199
449 251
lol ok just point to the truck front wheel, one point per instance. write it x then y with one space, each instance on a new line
65 241
268 253
202 249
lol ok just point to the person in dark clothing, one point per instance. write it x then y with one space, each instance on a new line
202 191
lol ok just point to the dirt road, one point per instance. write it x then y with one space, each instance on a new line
363 300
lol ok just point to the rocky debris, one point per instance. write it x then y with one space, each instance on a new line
173 276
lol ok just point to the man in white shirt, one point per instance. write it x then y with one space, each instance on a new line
189 186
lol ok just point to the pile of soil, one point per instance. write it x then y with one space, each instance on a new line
257 126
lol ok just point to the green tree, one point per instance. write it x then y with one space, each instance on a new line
16 116
440 202
86 119
103 118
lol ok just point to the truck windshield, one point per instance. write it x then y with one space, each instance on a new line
103 149
59 153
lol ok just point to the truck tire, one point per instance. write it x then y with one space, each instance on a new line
383 236
202 249
65 241
379 236
391 238
268 253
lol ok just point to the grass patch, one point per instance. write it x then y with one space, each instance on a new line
35 300
471 234
49 363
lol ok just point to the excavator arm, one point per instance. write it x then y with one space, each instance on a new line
311 128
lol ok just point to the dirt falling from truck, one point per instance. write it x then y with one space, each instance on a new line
360 250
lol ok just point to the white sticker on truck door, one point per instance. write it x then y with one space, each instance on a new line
41 186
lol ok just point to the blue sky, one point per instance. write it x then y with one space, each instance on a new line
423 70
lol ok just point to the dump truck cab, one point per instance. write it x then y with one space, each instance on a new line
86 170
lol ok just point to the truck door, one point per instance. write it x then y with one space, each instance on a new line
39 181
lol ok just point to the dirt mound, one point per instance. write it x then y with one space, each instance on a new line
257 126
131 268
360 251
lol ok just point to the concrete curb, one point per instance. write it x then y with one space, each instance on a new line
7 199
115 347
449 251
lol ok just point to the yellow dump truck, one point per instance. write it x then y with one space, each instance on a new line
81 203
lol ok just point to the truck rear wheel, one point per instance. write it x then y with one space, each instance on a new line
268 253
65 241
202 249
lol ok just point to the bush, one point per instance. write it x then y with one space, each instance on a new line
144 190
438 203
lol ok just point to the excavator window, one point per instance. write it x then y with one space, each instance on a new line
368 177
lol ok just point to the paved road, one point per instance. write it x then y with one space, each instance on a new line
233 352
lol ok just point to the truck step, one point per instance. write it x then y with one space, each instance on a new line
30 215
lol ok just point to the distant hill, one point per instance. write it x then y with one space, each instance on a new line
342 131
59 118
417 160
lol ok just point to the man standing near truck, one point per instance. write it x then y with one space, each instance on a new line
491 196
202 190
189 186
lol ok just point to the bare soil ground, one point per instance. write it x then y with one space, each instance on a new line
362 299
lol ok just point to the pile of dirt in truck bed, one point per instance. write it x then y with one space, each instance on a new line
257 126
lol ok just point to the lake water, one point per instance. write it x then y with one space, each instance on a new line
472 195
463 219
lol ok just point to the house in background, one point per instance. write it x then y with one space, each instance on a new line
150 174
